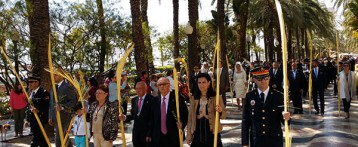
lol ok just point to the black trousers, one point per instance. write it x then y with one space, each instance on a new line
346 104
223 95
296 100
38 140
321 99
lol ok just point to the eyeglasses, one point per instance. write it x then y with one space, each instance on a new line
262 78
99 93
162 84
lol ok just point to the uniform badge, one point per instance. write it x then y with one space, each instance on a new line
252 102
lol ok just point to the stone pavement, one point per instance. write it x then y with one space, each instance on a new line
306 130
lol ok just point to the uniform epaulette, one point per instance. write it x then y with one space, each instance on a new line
278 91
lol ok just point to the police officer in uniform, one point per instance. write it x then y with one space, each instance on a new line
40 99
263 113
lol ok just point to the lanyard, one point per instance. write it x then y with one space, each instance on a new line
78 124
97 110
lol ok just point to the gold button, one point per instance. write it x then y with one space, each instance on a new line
263 132
263 118
263 125
273 110
263 111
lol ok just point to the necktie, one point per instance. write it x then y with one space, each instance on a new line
316 72
163 120
262 97
33 95
274 72
294 74
140 103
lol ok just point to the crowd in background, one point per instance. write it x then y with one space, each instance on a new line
154 93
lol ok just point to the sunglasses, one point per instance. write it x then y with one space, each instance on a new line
262 78
162 84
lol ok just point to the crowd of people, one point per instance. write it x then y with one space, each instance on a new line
257 87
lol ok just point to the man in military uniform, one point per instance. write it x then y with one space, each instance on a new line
40 99
263 113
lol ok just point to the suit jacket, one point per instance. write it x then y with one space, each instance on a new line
41 102
224 80
171 121
67 98
298 82
261 122
142 121
319 82
276 79
192 81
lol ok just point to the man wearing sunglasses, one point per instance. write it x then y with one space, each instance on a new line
263 113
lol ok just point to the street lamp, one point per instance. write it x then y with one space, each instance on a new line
15 37
293 50
276 43
248 40
188 29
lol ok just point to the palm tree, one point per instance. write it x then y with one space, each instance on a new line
148 44
103 49
140 54
221 25
193 47
241 8
176 30
39 24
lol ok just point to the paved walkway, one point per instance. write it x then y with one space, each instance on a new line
307 130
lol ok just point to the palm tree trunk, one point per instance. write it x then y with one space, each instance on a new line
140 54
39 24
298 43
270 46
266 40
176 31
148 42
278 48
242 18
193 47
221 21
289 42
102 53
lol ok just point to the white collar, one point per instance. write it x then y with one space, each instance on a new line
35 91
265 92
59 84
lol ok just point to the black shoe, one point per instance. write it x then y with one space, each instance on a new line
317 112
301 112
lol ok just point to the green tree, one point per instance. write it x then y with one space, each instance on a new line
39 24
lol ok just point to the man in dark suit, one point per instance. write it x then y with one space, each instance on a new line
263 113
318 85
67 100
192 80
297 81
165 123
141 114
224 82
40 100
276 77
